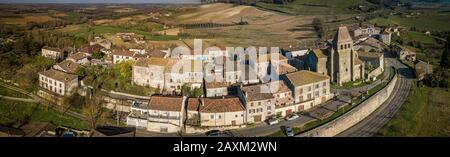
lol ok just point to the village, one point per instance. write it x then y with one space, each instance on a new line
234 98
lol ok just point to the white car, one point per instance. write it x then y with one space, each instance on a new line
292 117
272 121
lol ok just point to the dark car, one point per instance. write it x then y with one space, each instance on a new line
289 131
213 133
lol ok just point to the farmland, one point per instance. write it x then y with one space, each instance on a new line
429 21
425 113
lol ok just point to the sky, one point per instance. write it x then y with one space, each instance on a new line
99 1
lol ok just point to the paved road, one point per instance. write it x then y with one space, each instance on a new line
18 99
370 125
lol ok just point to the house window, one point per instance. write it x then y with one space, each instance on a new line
242 115
342 47
259 103
251 104
211 117
324 84
220 116
309 88
309 96
235 116
317 85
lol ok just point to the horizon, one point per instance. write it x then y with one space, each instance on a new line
100 1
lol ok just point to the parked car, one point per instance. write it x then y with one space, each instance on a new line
292 117
213 133
289 131
272 121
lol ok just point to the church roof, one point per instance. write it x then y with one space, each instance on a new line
342 35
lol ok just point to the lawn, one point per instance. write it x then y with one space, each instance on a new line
8 92
431 22
418 36
425 113
315 7
13 113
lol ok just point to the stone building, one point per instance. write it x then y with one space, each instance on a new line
258 101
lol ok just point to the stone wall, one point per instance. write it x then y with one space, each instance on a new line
355 115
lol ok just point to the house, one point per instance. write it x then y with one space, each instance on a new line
370 30
80 58
193 72
317 61
422 69
166 113
52 52
173 76
386 36
58 82
375 60
263 63
216 89
105 43
67 66
404 53
138 116
216 112
122 55
149 72
309 88
248 75
282 94
259 102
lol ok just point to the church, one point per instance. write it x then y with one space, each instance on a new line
338 60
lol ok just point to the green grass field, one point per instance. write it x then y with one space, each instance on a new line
315 7
418 36
82 31
425 113
431 22
7 92
13 113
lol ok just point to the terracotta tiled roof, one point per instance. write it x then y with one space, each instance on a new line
282 87
216 105
215 84
285 69
158 61
78 56
304 77
58 75
123 53
157 53
370 54
254 92
165 103
69 66
193 104
267 57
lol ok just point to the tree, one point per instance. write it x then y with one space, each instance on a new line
81 72
445 58
93 108
97 54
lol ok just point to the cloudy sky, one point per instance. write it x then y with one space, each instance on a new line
99 1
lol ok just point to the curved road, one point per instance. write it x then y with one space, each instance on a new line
371 124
